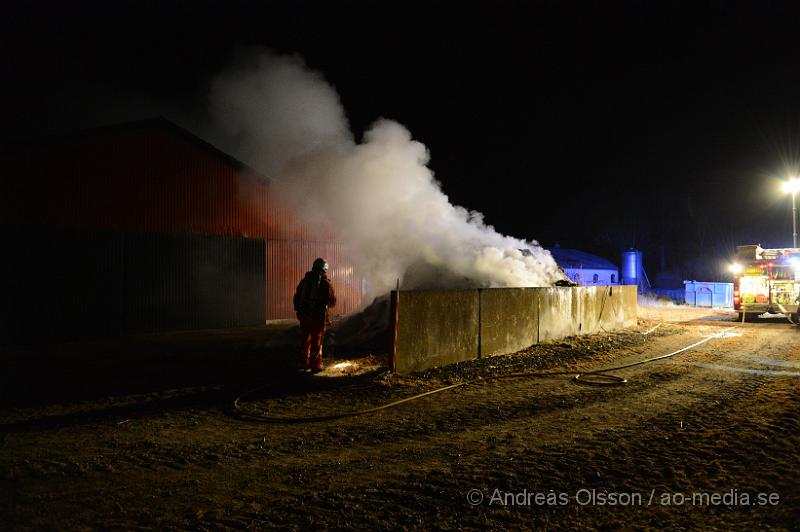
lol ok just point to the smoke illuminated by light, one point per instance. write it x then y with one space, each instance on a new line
379 194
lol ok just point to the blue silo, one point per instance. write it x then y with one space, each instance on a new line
632 267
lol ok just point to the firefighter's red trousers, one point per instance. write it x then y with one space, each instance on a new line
311 331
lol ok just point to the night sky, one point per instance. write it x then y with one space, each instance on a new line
598 125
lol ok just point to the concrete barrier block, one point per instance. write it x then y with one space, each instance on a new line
436 328
630 306
590 298
576 308
509 320
439 327
609 305
558 313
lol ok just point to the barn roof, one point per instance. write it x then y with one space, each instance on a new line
158 122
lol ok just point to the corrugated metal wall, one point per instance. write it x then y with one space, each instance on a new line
143 180
193 282
74 285
157 178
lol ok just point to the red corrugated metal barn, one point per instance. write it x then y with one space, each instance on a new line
145 227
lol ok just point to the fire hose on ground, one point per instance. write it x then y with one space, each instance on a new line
600 377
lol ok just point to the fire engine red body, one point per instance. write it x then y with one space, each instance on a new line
766 280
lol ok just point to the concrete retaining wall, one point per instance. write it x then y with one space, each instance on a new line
436 328
439 327
509 319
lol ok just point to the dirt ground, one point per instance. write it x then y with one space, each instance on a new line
141 435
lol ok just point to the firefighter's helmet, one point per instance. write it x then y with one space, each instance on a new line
320 264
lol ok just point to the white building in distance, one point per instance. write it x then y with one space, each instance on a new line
586 269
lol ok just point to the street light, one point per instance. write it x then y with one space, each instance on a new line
793 186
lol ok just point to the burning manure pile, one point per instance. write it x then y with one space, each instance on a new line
386 206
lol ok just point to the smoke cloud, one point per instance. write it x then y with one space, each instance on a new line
382 199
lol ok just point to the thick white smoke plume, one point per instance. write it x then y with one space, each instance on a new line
380 196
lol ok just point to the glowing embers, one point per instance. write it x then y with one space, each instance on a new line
350 368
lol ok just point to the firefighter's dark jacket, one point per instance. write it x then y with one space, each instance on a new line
314 296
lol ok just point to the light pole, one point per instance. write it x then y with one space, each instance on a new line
792 186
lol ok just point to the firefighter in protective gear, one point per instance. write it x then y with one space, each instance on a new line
312 299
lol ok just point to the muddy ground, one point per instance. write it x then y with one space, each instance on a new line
141 434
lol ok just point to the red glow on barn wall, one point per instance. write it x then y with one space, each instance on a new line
154 177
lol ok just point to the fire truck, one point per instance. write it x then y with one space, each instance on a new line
766 280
